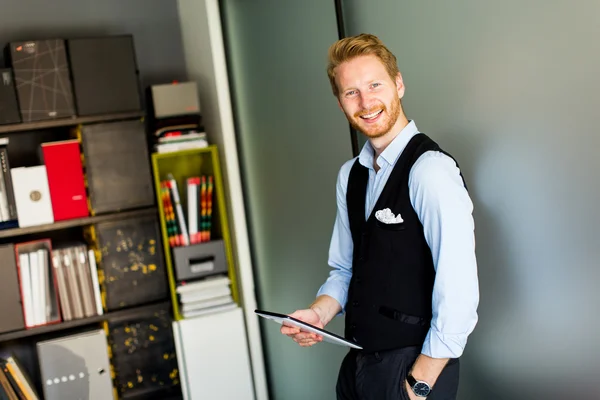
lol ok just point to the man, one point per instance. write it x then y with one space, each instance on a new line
403 247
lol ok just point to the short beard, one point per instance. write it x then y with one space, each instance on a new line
394 113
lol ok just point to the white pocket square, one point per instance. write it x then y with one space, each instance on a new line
387 216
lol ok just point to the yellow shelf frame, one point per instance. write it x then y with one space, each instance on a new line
183 164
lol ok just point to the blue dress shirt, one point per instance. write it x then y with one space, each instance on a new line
444 208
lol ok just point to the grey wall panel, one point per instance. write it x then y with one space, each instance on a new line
510 89
293 139
153 23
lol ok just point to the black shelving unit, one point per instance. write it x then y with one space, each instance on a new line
49 130
65 122
81 322
73 223
24 141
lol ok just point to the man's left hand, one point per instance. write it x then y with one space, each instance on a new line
411 394
426 369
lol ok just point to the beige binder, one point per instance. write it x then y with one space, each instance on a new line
76 367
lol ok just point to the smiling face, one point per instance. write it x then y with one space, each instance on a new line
369 97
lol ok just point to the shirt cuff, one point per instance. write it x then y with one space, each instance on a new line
440 345
336 289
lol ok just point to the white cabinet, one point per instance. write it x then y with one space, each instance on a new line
213 358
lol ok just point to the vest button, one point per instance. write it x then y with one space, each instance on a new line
353 326
355 304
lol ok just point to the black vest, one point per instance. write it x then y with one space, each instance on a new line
389 298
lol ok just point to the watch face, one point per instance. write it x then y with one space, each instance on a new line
421 389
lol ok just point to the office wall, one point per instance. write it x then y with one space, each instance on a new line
154 24
292 140
511 89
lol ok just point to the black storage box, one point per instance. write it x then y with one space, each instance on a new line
105 75
143 355
131 261
42 77
117 166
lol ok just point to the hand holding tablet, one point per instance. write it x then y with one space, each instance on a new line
304 326
303 337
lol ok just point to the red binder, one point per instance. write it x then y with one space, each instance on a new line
65 179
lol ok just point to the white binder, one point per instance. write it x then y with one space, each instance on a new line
32 195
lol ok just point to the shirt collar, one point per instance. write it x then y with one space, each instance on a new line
392 151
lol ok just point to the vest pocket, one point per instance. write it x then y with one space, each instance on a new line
402 317
391 227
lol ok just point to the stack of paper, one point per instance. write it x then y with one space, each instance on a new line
212 294
181 140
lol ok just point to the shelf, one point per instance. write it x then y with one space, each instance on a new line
72 223
183 164
185 152
129 313
62 122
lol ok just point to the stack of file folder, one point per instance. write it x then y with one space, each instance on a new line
195 225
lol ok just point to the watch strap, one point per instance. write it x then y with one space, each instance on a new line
411 380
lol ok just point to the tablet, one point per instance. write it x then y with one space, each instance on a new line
327 336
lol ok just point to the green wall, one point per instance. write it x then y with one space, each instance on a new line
293 139
510 89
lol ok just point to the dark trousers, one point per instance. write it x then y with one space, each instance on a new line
382 376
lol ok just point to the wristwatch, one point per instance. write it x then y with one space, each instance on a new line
419 388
